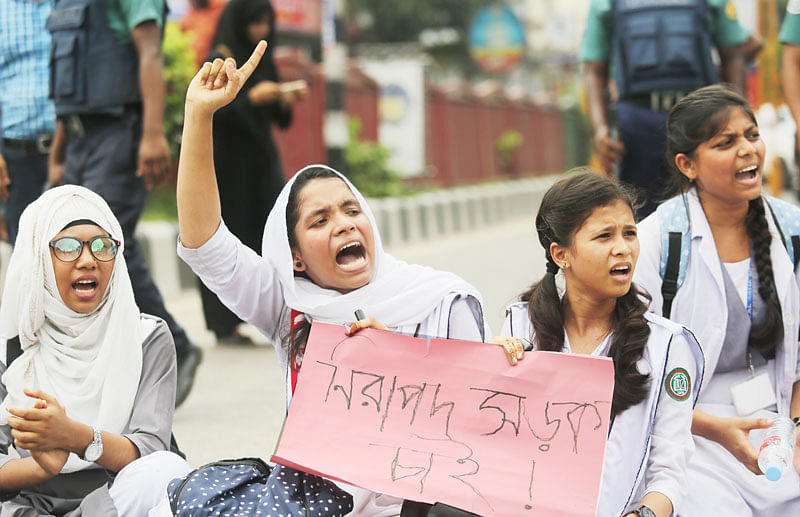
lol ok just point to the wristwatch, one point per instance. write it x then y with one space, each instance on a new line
644 511
95 449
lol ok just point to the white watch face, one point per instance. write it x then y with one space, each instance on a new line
93 452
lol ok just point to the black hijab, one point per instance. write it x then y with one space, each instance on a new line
231 38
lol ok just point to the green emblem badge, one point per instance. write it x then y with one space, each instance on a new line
678 384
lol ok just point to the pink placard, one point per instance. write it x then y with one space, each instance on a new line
451 421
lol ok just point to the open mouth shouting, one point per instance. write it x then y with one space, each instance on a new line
622 272
85 287
749 173
352 256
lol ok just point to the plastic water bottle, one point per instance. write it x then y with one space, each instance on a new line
777 449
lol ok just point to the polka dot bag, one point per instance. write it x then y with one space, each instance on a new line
250 487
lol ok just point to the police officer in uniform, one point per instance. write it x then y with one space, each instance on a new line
108 87
655 51
790 37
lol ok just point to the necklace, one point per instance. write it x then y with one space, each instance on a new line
587 346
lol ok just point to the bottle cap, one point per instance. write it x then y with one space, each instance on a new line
773 471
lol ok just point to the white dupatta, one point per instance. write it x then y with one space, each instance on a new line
397 294
90 362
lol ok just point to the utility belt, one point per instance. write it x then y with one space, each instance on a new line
78 124
36 146
656 101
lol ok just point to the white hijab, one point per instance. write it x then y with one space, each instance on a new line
398 293
90 362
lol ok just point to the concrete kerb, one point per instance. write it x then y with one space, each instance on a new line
401 221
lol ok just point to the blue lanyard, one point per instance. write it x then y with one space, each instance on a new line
750 293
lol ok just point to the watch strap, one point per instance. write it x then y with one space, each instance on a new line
97 441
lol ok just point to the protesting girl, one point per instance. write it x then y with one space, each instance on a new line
738 292
322 257
587 229
88 384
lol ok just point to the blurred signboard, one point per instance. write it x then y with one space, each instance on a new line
298 15
496 39
402 111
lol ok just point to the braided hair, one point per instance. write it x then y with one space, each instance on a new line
693 120
564 209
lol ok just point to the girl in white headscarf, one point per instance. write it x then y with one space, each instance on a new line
88 383
322 257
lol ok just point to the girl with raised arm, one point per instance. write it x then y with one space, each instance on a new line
321 260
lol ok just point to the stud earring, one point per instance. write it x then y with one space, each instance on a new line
298 264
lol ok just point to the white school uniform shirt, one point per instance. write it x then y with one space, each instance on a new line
650 444
700 303
250 288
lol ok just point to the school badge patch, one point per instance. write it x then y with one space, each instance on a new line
678 384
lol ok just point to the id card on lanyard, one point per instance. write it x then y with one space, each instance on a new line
754 392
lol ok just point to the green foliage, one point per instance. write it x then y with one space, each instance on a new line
179 68
403 20
368 166
161 205
506 145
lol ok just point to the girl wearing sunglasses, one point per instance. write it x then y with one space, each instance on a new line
88 382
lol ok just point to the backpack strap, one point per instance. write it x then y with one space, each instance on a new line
786 217
673 216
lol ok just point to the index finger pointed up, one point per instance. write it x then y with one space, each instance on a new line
253 60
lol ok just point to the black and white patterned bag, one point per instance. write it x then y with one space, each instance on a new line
249 487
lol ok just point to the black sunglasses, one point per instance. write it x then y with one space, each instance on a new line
68 249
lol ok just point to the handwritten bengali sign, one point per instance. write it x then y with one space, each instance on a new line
451 421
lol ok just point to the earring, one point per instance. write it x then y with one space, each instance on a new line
564 265
298 264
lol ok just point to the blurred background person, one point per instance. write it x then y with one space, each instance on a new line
248 166
632 140
201 20
109 96
27 116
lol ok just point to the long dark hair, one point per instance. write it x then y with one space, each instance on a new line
693 120
564 209
298 336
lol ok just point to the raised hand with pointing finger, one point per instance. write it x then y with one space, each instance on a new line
217 83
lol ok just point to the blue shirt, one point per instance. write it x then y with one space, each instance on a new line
25 109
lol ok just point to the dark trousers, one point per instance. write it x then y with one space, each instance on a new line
104 159
643 166
28 175
249 179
